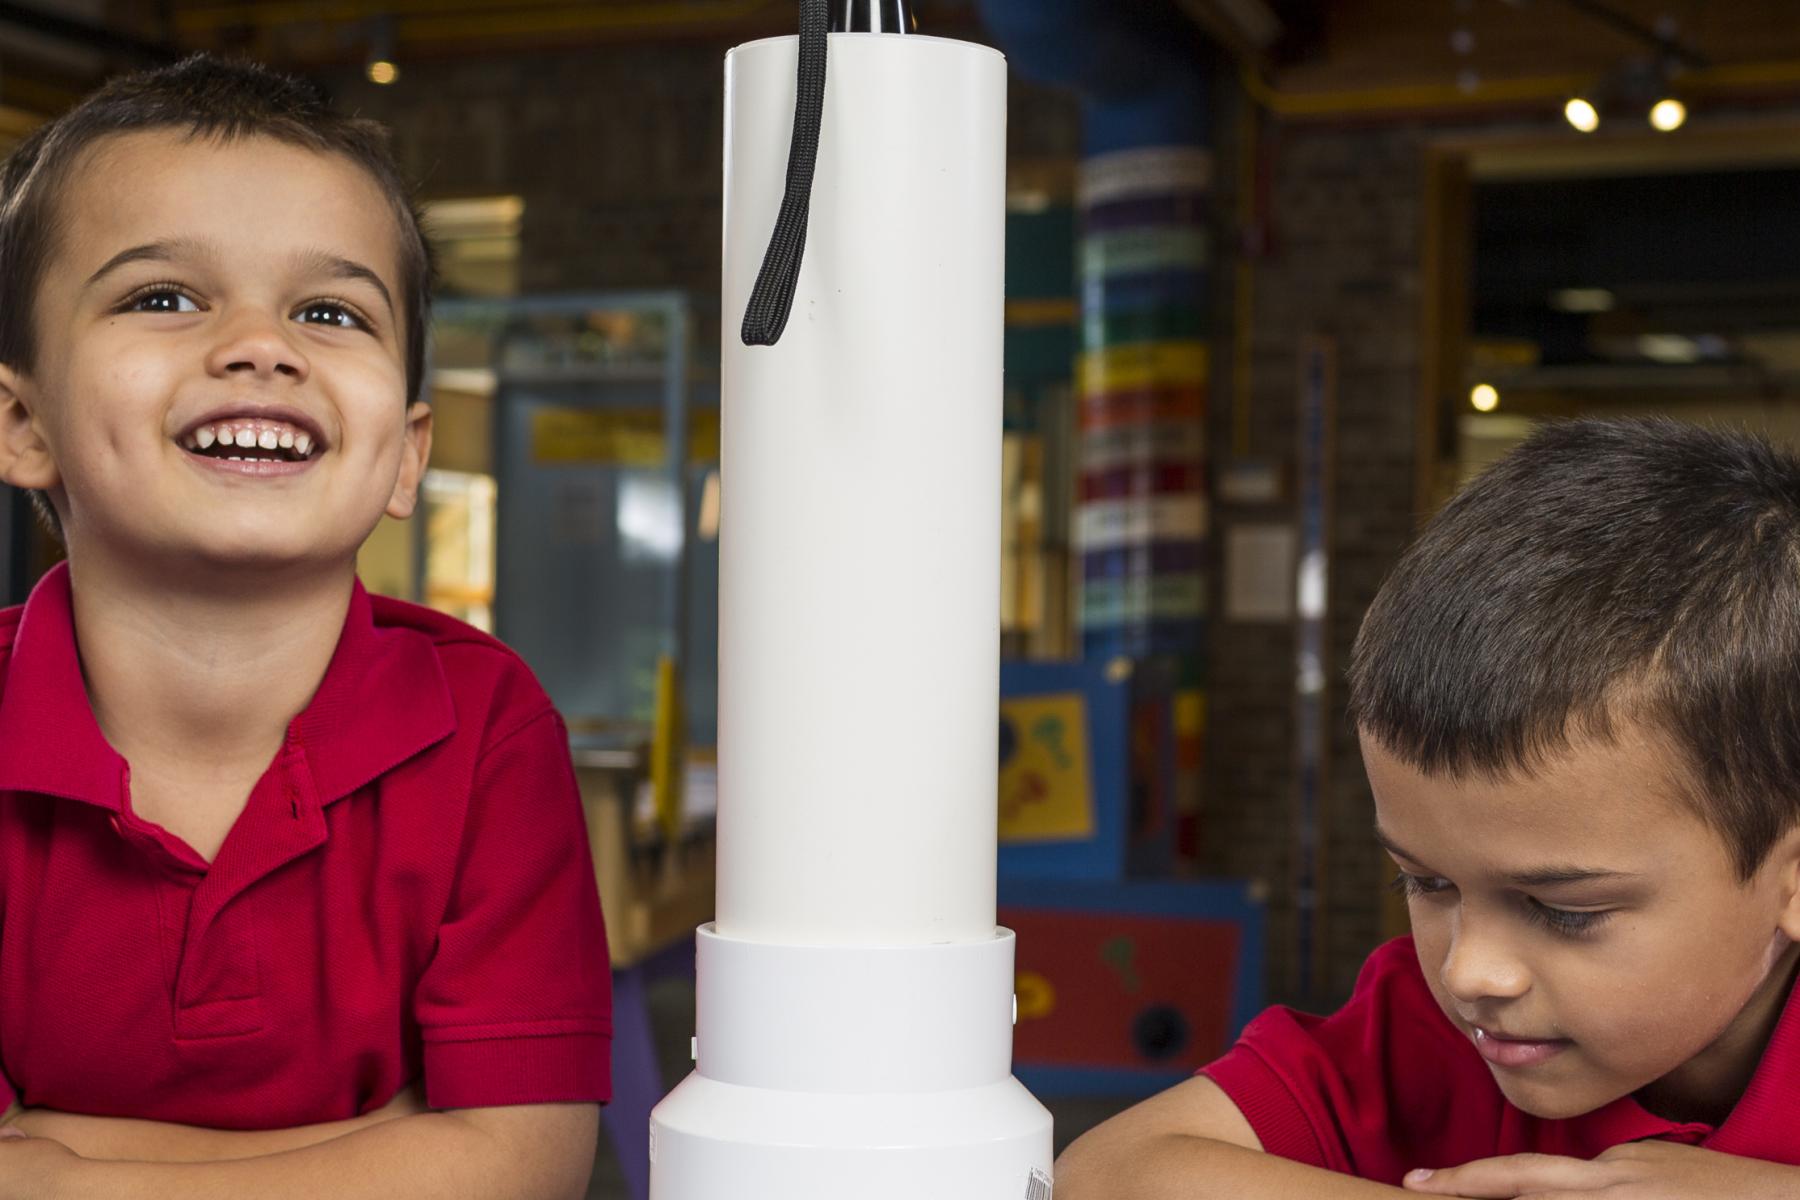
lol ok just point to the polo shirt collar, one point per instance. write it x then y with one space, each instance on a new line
53 744
383 700
1761 1124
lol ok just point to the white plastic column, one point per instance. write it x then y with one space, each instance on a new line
855 996
859 568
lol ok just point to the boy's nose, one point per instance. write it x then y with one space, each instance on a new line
257 346
1481 965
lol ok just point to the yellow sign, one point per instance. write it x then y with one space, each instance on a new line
626 437
1046 779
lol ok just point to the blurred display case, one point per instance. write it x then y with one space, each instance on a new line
602 483
582 529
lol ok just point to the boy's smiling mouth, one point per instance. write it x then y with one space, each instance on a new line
262 444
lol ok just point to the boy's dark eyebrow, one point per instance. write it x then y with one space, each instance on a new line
321 262
161 250
1543 877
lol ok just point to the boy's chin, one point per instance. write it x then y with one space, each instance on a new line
253 554
1552 1102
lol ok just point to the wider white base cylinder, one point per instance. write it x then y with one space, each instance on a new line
714 1141
865 1072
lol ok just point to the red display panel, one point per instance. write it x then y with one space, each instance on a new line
1117 990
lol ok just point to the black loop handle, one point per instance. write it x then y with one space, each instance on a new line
772 299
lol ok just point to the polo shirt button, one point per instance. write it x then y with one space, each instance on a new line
118 826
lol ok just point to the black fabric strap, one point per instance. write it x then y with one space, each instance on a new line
772 299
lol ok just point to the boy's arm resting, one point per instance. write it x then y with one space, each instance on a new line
135 1140
1192 1143
521 1152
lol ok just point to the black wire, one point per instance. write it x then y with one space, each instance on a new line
772 299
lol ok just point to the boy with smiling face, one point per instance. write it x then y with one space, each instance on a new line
295 894
1578 698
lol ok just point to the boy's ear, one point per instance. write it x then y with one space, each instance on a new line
414 455
25 459
1786 857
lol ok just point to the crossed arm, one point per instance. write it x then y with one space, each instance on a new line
401 1152
1191 1143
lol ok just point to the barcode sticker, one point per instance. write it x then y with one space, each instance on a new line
1038 1186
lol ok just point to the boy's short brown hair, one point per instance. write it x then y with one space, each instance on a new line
1605 573
209 97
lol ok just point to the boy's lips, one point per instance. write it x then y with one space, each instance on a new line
1517 1052
255 468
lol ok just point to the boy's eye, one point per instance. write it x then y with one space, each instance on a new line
330 312
1410 885
163 300
1567 921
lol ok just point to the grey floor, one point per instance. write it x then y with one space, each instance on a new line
671 1003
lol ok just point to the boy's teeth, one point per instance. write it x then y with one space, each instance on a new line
261 435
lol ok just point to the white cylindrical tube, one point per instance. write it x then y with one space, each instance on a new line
860 519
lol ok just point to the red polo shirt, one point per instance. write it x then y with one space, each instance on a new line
1386 1084
408 893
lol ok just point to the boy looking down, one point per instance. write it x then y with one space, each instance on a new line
295 892
1578 698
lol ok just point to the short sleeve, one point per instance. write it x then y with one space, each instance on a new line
515 1005
1381 1086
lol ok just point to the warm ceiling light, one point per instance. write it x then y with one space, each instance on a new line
1668 114
1582 115
380 62
1485 397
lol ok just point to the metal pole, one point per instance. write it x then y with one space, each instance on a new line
873 16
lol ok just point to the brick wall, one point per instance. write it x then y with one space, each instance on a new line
1343 263
614 149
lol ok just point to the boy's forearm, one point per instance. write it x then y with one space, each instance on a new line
130 1139
1177 1167
448 1155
